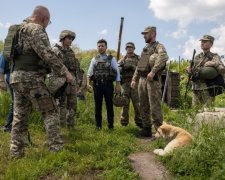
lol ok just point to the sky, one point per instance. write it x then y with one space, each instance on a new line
180 23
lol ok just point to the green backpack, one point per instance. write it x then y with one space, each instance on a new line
11 41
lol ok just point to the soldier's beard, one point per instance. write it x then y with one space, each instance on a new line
148 40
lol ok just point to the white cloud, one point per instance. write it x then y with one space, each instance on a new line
103 32
218 46
179 33
185 12
189 46
219 43
6 25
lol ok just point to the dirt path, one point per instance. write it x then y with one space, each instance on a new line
147 165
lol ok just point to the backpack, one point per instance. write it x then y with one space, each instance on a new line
10 49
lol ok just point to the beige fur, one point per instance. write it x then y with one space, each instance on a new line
179 137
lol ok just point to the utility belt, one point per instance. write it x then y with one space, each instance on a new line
102 81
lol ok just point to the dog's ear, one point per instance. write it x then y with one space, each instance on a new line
164 128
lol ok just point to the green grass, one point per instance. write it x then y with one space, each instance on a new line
104 154
87 152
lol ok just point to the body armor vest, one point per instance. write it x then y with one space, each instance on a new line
128 67
143 66
103 70
69 59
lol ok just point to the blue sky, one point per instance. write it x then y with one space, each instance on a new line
180 23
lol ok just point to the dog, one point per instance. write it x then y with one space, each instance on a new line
178 136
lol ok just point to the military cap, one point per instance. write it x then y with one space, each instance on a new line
66 33
130 44
207 38
148 29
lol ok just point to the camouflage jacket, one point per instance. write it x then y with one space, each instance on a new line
156 64
33 37
200 61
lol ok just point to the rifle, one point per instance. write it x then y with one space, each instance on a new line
190 74
120 36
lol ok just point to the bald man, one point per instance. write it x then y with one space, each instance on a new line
27 80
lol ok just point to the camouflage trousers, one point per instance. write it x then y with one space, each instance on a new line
202 98
36 94
150 102
132 95
68 106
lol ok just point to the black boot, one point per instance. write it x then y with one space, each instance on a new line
139 124
146 132
124 122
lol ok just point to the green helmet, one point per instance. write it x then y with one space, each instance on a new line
130 44
120 100
208 73
66 33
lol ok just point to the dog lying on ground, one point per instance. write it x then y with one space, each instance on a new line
179 137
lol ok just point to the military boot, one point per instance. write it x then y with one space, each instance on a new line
138 122
146 132
124 122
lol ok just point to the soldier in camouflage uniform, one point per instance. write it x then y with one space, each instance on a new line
67 97
148 73
27 80
202 88
127 66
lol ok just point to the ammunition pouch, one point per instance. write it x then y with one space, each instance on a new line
129 67
43 101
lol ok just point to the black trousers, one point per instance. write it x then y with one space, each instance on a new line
104 89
